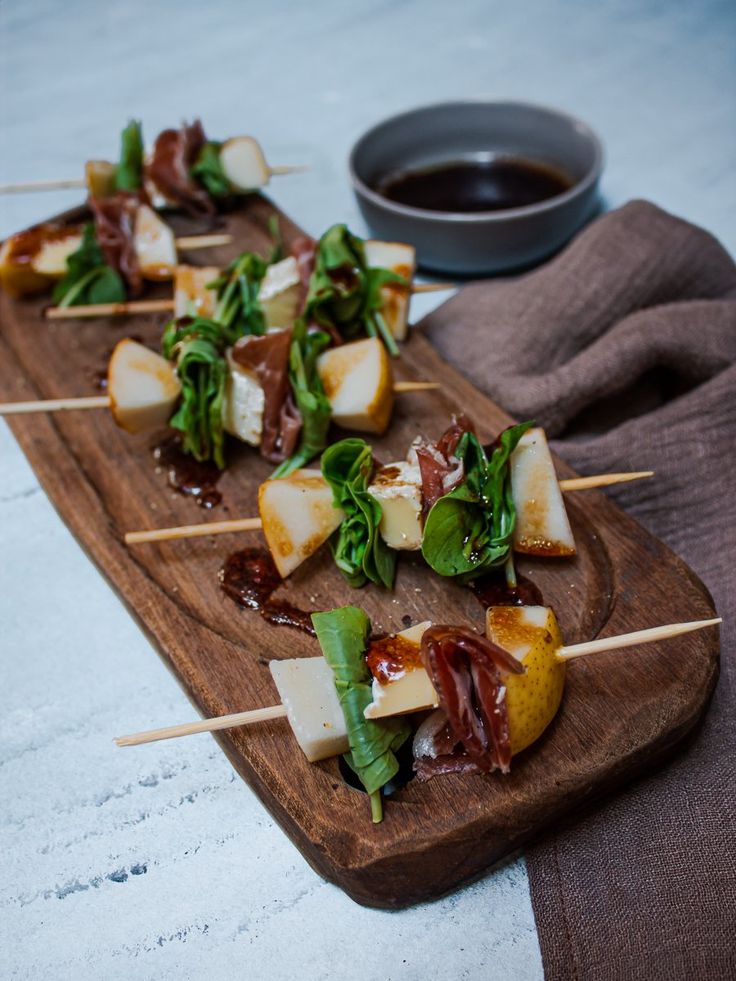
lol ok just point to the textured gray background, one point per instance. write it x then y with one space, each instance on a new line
158 862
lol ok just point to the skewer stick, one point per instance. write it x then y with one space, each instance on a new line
55 405
109 309
277 711
417 386
132 307
281 169
205 725
603 480
254 524
631 640
42 186
432 287
193 531
193 242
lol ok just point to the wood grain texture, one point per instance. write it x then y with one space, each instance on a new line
622 711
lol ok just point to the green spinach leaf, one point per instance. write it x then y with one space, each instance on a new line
129 173
358 549
88 279
238 308
343 636
207 171
197 346
344 293
470 530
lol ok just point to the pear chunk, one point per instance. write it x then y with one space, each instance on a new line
50 260
280 293
143 387
191 296
31 260
99 176
298 517
542 525
243 163
306 687
401 259
154 244
358 382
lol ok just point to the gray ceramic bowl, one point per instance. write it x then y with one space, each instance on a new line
485 241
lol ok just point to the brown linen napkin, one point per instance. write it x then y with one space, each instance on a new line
624 348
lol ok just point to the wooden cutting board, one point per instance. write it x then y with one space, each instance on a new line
622 712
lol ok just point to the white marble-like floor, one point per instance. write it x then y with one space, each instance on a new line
160 863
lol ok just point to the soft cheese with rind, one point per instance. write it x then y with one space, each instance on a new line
242 407
398 489
542 526
280 293
154 244
411 691
298 517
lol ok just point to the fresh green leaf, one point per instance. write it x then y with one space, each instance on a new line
88 278
238 308
470 530
344 293
207 171
313 404
343 636
129 174
357 547
197 346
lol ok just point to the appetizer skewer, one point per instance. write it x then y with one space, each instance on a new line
424 502
235 166
490 698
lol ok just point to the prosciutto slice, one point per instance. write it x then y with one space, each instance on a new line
465 669
304 250
114 229
268 357
439 468
174 152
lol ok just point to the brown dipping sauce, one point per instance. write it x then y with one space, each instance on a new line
475 185
250 577
187 475
493 590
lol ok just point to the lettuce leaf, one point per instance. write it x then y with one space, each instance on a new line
344 293
207 171
343 636
236 288
357 547
129 173
470 530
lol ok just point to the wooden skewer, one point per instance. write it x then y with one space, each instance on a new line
55 405
104 402
603 480
132 307
432 287
205 725
192 242
281 169
59 185
631 640
80 312
277 711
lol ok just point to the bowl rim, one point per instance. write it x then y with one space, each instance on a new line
588 180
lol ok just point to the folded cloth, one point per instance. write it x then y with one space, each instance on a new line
624 348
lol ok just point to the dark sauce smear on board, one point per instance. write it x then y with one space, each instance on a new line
475 185
187 475
250 577
493 590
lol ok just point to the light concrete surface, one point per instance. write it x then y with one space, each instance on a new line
158 862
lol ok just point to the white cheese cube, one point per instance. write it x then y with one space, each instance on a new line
411 691
398 489
191 296
306 686
243 163
402 259
242 407
358 382
298 517
280 293
143 387
154 245
542 525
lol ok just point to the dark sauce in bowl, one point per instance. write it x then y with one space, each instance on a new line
468 186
